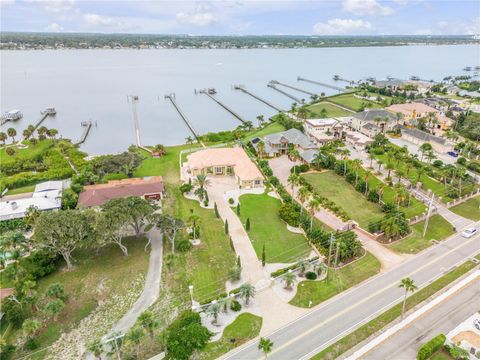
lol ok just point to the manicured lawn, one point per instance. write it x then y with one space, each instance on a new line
416 207
363 332
245 327
96 277
271 128
346 277
21 190
337 189
438 229
332 110
470 209
26 154
351 102
441 355
266 227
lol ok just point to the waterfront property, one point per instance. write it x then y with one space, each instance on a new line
358 139
225 162
46 196
418 137
322 131
373 121
150 188
393 84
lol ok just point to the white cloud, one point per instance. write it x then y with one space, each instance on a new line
197 19
366 7
54 27
56 6
102 22
342 27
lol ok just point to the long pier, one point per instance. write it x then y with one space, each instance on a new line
223 106
275 82
171 97
321 84
87 125
48 112
241 88
339 78
272 86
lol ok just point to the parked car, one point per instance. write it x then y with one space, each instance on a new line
452 153
468 233
476 323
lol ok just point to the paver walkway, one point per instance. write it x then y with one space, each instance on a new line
151 289
388 259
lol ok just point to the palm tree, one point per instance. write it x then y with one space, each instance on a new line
389 167
303 194
30 328
193 219
390 227
380 163
400 173
247 125
12 133
3 137
26 133
345 153
409 285
160 149
265 345
247 291
201 181
293 180
260 119
371 156
260 148
289 278
313 206
356 165
380 191
96 348
147 321
51 133
367 175
42 130
214 309
135 337
295 155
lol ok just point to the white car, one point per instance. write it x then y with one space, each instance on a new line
468 233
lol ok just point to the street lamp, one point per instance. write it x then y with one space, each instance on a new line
190 289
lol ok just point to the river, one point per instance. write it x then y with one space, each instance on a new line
94 84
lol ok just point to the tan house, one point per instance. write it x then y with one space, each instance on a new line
411 111
226 162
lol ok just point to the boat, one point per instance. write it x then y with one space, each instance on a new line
49 111
12 115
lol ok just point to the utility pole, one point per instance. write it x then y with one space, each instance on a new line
430 205
336 257
134 99
329 253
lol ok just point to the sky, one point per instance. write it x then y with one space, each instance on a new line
244 17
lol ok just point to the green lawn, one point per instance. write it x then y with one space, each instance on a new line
266 227
341 346
351 102
21 190
271 128
335 188
441 355
96 277
438 229
470 209
332 110
245 327
346 277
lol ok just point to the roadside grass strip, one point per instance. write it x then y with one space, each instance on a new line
344 278
370 328
470 209
438 229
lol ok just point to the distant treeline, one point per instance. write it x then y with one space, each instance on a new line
12 40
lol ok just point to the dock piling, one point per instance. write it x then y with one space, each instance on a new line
275 82
299 78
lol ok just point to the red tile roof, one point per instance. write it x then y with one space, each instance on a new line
96 195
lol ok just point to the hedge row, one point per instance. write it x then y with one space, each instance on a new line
280 272
430 347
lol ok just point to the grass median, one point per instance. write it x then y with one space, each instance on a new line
370 328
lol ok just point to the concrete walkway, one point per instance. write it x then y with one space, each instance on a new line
151 289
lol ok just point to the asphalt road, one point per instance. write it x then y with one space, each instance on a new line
333 319
440 320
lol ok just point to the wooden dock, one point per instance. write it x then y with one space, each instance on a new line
321 84
45 114
223 106
272 86
171 97
275 82
242 88
87 125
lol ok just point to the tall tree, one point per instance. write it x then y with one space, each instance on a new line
266 346
12 133
112 227
62 232
247 291
169 226
409 286
3 137
137 210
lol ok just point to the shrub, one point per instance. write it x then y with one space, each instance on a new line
231 201
289 214
183 245
235 273
438 163
461 161
299 169
40 263
310 275
31 344
186 188
235 306
247 224
430 347
205 202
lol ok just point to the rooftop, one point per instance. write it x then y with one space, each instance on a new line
236 157
409 108
372 114
293 136
96 195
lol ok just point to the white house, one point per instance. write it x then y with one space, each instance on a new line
47 196
321 131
